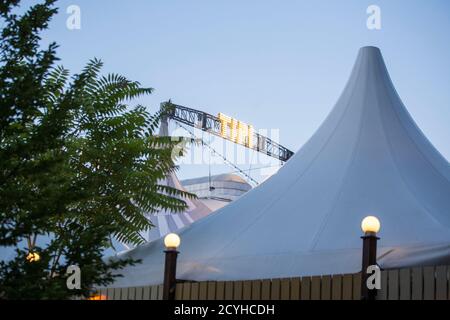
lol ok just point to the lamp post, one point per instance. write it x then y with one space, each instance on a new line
172 242
370 225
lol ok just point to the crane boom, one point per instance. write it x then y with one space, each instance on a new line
215 125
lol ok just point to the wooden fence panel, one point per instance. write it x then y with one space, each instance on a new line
266 289
295 289
195 289
124 294
103 294
393 285
448 283
305 293
357 286
117 294
441 283
315 288
421 283
285 289
110 294
179 291
146 293
139 291
160 292
383 292
131 293
428 283
247 290
186 291
229 288
211 291
237 290
417 284
203 290
325 292
220 289
405 284
336 287
347 287
276 289
256 290
154 293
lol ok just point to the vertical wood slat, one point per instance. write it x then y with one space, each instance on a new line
382 294
131 293
405 284
146 293
195 288
110 294
203 291
276 289
229 288
315 288
124 294
347 287
139 293
160 292
441 283
220 287
247 290
295 289
186 291
357 286
211 290
325 292
448 282
336 287
256 290
393 287
154 293
117 294
102 294
417 284
179 291
265 289
237 290
428 283
285 288
305 293
211 295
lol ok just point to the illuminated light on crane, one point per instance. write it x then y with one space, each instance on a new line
239 132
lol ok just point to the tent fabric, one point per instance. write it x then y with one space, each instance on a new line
367 158
166 221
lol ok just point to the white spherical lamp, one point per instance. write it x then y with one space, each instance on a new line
371 224
172 241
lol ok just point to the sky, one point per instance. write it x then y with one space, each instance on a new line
273 64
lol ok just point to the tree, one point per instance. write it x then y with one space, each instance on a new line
77 163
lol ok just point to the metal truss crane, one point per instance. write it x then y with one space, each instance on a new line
226 128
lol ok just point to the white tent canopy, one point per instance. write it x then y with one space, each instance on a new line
367 158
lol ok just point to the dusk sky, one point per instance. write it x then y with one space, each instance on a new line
276 65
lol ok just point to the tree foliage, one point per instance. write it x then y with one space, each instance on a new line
78 164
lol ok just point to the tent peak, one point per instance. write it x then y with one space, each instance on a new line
370 49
